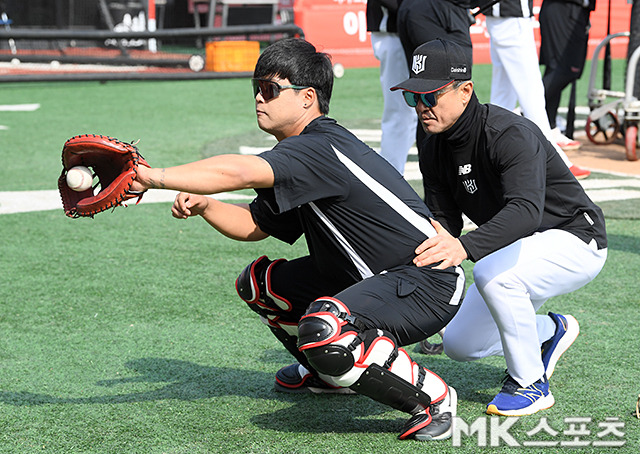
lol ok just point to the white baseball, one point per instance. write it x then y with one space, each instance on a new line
79 178
338 70
196 63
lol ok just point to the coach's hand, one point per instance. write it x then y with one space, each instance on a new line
442 248
187 205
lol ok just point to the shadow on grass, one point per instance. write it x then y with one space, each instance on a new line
184 381
331 413
625 243
474 381
188 381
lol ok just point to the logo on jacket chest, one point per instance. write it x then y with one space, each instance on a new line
470 183
464 170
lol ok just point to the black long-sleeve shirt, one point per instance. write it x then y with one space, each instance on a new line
500 170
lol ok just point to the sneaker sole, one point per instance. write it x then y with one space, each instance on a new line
540 404
311 390
573 329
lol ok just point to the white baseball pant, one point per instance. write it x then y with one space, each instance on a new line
516 76
399 121
498 314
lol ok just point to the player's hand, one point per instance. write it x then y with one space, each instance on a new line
141 183
442 248
187 205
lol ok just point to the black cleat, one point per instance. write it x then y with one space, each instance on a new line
296 378
436 423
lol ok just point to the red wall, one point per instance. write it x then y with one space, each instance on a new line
339 28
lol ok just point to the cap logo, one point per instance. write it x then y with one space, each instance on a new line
459 69
418 63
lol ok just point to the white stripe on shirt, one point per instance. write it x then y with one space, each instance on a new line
360 264
394 202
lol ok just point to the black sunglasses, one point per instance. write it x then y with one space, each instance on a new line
428 99
270 89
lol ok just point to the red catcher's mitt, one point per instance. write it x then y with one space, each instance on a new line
114 163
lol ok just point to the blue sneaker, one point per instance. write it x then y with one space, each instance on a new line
513 400
567 330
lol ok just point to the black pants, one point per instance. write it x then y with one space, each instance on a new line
409 302
564 33
421 21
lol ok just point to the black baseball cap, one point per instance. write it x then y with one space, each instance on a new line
434 65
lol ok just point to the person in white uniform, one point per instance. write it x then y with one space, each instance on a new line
516 77
398 120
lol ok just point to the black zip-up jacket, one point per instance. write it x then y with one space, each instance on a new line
375 15
500 170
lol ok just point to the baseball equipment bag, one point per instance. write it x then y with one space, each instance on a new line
113 163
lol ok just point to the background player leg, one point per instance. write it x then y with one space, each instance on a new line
398 120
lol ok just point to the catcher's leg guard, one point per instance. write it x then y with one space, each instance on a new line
340 347
254 287
368 361
408 387
387 388
290 343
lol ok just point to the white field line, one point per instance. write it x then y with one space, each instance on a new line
26 201
19 107
599 190
6 67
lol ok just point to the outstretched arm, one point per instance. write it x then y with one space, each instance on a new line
208 176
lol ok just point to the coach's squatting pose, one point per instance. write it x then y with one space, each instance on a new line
539 234
344 310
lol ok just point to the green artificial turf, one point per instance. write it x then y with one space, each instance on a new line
124 333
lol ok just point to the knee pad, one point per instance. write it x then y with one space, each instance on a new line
337 346
254 287
345 353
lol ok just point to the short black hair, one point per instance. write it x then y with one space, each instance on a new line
299 62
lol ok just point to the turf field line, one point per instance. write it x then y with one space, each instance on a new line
598 189
27 201
19 107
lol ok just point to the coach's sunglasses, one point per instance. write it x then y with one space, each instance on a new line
270 89
428 99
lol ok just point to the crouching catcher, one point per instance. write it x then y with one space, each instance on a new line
351 342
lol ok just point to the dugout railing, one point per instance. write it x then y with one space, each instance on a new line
172 67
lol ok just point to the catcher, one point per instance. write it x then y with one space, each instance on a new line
345 310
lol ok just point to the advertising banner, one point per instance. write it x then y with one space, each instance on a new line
339 27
